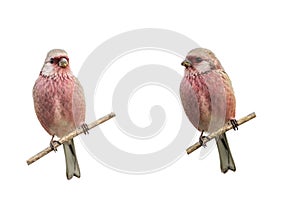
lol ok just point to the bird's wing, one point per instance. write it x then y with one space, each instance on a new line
78 103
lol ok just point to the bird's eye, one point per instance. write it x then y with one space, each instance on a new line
51 60
198 60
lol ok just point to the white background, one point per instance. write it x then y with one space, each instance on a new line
257 43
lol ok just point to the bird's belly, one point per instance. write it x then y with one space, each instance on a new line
63 121
205 102
59 104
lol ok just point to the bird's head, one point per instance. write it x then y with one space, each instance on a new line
201 60
56 63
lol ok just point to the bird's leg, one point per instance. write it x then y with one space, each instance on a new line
52 142
201 138
85 128
234 124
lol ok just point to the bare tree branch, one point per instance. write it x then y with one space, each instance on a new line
219 132
69 137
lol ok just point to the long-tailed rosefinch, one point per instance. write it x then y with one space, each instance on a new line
208 99
59 103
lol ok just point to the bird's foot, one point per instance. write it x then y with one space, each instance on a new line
85 128
52 144
234 124
201 139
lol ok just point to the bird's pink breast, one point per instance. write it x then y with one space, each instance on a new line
59 104
208 99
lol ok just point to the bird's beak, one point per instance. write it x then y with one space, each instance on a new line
63 62
186 63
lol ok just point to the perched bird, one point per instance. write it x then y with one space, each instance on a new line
208 99
59 104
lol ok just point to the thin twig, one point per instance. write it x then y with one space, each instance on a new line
219 132
69 137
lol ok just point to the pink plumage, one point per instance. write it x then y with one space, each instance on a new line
208 98
59 103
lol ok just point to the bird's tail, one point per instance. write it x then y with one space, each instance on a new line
72 167
226 160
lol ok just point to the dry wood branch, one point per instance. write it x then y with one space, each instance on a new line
219 132
69 137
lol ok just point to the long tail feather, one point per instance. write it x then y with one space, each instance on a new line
72 167
226 160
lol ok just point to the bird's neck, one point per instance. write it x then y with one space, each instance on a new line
62 74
